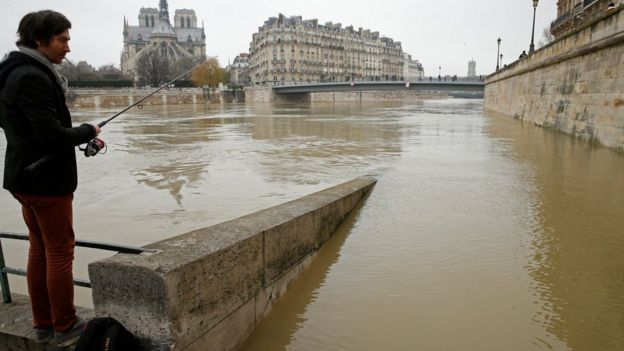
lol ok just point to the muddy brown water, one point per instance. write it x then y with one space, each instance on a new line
482 233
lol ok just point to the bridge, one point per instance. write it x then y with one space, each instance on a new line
460 89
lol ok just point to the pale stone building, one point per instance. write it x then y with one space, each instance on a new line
574 14
290 49
239 69
183 39
412 69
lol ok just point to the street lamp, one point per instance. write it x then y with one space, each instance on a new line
439 71
532 47
501 60
497 52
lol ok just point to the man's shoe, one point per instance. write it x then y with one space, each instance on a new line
43 335
72 335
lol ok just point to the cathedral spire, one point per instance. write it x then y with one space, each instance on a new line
164 13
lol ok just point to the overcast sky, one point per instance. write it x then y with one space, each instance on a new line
438 33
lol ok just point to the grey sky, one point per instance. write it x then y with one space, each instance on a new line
438 33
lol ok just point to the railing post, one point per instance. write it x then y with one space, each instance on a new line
4 279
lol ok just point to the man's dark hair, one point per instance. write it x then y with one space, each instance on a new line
42 26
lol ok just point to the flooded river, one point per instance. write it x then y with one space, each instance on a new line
482 233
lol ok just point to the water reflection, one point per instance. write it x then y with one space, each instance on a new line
577 241
283 143
171 177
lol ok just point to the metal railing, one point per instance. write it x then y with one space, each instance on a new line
4 270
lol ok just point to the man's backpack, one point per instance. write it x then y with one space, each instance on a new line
106 334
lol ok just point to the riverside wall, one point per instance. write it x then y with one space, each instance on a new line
574 85
118 98
208 289
347 96
266 94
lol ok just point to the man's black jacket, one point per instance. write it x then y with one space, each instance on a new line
36 123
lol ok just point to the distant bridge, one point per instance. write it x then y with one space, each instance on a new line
462 89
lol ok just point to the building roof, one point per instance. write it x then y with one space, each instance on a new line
133 32
328 26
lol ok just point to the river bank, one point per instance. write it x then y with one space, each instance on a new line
81 98
90 98
573 85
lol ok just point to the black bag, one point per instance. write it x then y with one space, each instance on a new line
106 334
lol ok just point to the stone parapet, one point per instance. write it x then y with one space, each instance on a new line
574 85
112 98
208 289
107 98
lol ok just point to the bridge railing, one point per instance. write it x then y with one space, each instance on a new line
446 78
5 270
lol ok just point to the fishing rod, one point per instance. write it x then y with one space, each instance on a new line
166 85
95 145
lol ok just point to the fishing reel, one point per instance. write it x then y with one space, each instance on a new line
93 147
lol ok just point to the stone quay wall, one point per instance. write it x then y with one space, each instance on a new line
574 85
120 98
345 96
259 94
107 98
208 289
266 94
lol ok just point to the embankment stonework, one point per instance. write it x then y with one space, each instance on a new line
376 96
258 94
105 98
574 85
119 98
208 289
266 94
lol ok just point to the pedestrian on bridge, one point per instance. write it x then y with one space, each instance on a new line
37 123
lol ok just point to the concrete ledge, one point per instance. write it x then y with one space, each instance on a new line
208 289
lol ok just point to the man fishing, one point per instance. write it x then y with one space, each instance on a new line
36 124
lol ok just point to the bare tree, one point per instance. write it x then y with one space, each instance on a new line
110 71
152 68
183 65
547 37
81 71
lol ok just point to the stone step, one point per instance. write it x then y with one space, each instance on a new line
16 330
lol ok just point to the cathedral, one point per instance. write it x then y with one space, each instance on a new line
155 32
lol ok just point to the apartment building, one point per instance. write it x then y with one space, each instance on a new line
290 49
574 14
